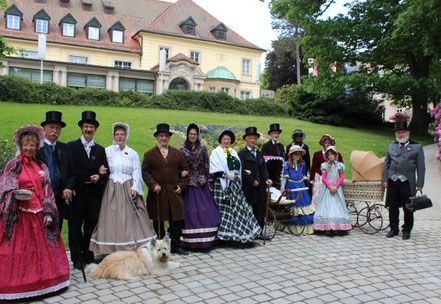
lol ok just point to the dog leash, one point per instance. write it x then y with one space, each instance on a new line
135 209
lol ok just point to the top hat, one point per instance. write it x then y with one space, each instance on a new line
325 137
296 148
298 131
53 117
251 131
274 127
192 126
162 128
401 125
229 133
88 117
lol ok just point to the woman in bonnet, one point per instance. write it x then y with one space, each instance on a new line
123 223
32 254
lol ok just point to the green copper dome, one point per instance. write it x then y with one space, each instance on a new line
221 72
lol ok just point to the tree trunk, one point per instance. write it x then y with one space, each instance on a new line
420 117
299 81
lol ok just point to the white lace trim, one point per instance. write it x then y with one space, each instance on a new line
13 296
200 230
122 243
30 210
199 240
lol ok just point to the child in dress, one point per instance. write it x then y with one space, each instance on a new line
293 177
332 213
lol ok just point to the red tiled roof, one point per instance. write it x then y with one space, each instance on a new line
141 15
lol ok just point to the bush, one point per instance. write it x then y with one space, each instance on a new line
20 90
355 108
6 153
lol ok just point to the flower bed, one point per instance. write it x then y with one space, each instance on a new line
436 113
209 134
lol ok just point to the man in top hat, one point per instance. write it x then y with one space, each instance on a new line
404 158
161 170
273 147
58 158
255 176
91 170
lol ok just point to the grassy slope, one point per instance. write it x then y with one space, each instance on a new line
143 121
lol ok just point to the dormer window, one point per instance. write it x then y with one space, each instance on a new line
220 32
188 26
41 21
93 29
13 18
64 3
87 5
108 7
116 32
67 24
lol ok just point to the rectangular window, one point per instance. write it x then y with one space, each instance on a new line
78 59
139 85
212 90
13 22
68 29
246 66
245 95
194 56
87 7
93 33
41 26
117 36
167 52
77 80
123 64
64 3
33 75
226 90
28 54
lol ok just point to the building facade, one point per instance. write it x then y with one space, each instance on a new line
116 44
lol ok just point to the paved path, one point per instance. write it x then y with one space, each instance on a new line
357 268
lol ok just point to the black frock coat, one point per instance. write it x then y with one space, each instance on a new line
269 149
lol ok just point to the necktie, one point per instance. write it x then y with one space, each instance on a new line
51 160
163 151
401 145
276 145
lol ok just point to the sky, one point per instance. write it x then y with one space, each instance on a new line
251 18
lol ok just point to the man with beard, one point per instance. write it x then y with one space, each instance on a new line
404 157
58 158
91 170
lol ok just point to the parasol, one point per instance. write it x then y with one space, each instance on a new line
366 166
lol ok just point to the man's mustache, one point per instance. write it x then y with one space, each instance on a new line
53 134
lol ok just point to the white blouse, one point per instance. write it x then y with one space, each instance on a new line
124 165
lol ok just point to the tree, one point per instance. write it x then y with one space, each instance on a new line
396 44
5 49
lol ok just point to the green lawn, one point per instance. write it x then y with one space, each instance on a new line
143 121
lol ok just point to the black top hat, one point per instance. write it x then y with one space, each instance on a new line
229 133
251 131
162 128
88 117
401 125
274 127
53 117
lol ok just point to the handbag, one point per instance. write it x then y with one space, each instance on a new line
418 202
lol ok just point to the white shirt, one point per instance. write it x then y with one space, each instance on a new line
124 165
253 151
87 145
47 141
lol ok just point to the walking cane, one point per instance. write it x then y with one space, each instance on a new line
74 236
135 209
268 195
159 224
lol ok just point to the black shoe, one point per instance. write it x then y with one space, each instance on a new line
180 251
391 234
77 265
406 235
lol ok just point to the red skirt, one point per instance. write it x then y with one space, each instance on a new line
29 265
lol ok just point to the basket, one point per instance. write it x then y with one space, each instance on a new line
363 191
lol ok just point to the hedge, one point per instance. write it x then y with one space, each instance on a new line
21 90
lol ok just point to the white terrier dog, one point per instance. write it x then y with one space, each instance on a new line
125 265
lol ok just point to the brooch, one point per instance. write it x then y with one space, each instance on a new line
41 173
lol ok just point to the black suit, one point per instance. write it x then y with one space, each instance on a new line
87 201
255 195
275 169
270 149
67 172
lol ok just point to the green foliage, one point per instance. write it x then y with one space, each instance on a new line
6 152
20 90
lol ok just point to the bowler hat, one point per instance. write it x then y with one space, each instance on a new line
401 125
274 127
53 117
90 118
251 131
229 133
162 128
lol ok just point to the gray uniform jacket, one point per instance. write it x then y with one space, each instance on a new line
406 162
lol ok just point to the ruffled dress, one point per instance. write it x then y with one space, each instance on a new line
332 213
303 209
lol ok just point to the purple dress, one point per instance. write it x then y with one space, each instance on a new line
202 217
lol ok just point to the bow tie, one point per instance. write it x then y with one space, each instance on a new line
227 150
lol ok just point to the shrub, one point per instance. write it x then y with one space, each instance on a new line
6 153
20 90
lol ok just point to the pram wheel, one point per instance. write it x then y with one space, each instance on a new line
271 225
384 211
370 220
